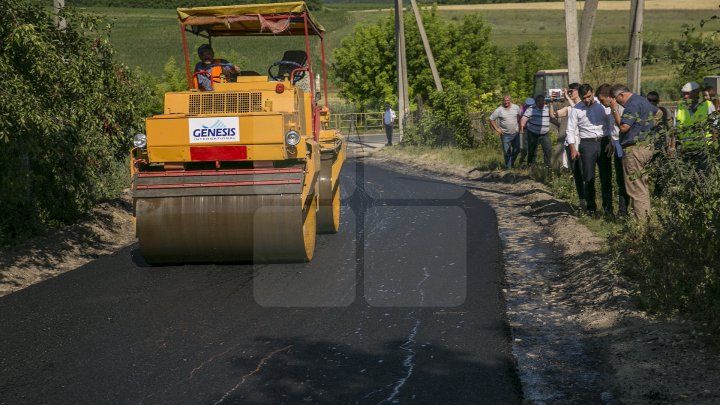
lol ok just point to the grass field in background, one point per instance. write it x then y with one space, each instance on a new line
147 38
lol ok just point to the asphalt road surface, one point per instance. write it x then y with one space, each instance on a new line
402 306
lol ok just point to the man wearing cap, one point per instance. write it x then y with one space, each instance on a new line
505 121
690 111
209 69
635 123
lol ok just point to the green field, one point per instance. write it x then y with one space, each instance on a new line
147 38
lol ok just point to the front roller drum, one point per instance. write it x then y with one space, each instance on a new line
232 228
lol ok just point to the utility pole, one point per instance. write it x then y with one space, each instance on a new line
586 28
571 33
426 44
637 8
58 6
403 97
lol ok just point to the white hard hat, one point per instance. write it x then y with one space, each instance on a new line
529 101
690 86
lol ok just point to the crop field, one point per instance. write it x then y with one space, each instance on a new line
147 38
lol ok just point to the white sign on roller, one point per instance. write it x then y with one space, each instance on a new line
214 130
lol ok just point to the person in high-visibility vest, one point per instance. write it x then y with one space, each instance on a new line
209 69
690 111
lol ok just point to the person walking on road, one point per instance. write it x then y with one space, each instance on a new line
388 122
536 123
505 120
589 123
636 123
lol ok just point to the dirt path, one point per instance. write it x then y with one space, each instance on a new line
577 335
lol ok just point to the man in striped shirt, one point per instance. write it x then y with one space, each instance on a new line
589 122
536 123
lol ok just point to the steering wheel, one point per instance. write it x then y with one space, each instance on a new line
294 65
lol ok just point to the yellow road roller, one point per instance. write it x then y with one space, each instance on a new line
242 166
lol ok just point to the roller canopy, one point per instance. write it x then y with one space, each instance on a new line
250 19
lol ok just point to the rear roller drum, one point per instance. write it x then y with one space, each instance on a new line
329 213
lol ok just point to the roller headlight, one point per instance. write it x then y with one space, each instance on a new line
140 140
292 138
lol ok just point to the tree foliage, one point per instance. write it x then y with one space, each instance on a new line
67 114
473 71
697 54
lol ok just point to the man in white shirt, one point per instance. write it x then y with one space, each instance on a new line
571 95
505 120
388 122
589 122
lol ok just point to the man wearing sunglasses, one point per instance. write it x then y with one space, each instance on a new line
635 123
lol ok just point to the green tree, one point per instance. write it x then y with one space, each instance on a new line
365 62
697 54
523 62
67 114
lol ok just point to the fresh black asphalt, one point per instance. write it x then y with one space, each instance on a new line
402 306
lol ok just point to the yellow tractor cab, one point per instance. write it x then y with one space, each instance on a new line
247 170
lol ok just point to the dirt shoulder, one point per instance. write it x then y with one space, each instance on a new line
636 358
105 230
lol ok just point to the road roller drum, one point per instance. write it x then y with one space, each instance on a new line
226 228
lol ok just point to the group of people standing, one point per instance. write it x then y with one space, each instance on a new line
607 127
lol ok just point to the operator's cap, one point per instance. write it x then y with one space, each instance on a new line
204 47
690 86
529 101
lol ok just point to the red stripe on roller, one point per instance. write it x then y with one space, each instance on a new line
222 184
218 172
211 153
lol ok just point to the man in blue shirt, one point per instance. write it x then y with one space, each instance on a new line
636 122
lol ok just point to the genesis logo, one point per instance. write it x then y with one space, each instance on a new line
216 129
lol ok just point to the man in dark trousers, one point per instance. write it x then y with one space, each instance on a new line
605 97
589 122
388 122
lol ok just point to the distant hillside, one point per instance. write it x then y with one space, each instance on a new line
313 4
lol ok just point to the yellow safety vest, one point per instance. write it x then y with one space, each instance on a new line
686 119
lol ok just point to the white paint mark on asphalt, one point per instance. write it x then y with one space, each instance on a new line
409 346
210 360
257 369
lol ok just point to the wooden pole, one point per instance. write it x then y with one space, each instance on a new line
586 28
60 22
571 35
426 44
401 64
637 7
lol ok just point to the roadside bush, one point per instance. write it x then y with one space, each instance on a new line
674 259
446 122
67 116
